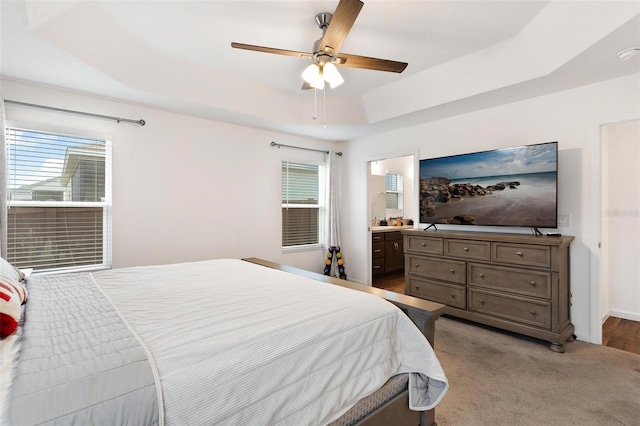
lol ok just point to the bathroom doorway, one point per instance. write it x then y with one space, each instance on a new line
391 205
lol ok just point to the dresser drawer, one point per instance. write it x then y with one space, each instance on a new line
522 254
468 249
426 245
377 250
449 294
439 269
514 308
520 281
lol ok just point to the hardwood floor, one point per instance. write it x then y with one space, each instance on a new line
392 282
617 333
621 334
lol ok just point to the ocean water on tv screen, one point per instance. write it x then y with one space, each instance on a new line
532 202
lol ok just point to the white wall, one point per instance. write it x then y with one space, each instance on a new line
572 118
184 188
377 190
621 220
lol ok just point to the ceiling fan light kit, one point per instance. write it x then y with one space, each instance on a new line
316 75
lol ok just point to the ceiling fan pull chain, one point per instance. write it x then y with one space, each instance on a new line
324 108
315 104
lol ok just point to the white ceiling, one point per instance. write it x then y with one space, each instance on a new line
176 55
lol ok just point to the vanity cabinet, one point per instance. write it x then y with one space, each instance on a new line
514 282
393 252
377 254
387 252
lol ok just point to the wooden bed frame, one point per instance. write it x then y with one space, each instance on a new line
422 312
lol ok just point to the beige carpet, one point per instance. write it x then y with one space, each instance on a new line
497 378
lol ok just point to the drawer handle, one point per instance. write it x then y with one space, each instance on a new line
417 287
424 244
481 275
533 283
453 296
376 267
452 271
533 313
417 265
377 251
481 302
519 253
466 249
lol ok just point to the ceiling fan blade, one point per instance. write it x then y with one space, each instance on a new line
271 50
340 25
306 86
355 61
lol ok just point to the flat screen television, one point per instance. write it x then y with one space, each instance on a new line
515 187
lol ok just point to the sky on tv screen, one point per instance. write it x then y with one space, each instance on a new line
510 161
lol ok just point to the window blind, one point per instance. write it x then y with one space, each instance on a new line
300 204
392 191
59 195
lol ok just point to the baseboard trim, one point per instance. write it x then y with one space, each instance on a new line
633 316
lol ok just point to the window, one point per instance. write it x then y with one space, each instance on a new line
301 207
59 198
394 192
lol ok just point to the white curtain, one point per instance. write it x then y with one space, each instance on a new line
332 218
3 182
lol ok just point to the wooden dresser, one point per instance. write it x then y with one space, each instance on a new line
515 282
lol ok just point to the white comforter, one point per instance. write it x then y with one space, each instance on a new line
239 344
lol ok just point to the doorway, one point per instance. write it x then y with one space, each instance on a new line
619 277
391 204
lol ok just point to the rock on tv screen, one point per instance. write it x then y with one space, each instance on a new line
506 187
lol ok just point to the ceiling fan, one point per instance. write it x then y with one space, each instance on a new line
326 51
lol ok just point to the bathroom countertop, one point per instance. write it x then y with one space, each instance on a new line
390 228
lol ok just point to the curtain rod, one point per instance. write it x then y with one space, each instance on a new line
300 147
89 114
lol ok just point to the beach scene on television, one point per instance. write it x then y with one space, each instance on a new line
505 187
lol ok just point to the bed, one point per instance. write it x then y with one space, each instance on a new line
224 342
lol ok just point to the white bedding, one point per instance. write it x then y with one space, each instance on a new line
9 350
236 343
78 362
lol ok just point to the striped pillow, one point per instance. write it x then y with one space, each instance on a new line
12 295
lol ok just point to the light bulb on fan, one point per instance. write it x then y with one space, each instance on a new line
313 75
331 75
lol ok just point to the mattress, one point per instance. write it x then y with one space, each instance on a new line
394 387
217 342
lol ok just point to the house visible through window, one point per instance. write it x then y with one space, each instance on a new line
394 192
59 198
301 207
